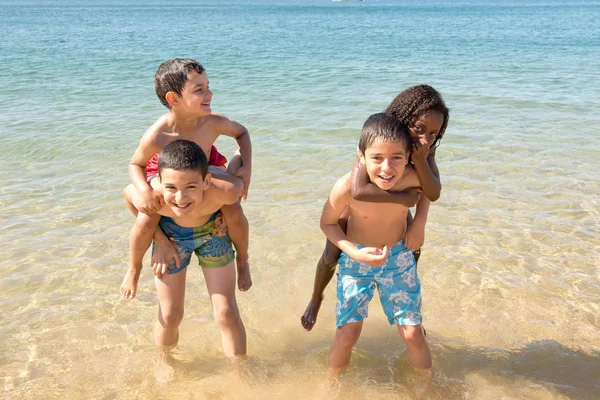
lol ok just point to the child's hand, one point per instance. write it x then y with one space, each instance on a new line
420 150
415 236
244 174
165 253
371 256
150 201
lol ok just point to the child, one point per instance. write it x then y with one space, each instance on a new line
190 217
183 87
423 110
373 249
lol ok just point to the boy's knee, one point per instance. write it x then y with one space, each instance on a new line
172 318
348 337
413 335
226 315
144 221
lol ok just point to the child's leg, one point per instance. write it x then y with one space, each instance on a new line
409 220
325 270
341 348
238 231
171 295
220 282
419 355
140 238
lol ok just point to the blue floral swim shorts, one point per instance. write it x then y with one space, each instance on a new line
397 283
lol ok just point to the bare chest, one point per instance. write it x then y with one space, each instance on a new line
376 224
202 137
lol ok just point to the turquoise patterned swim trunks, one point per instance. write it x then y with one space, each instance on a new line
397 283
210 243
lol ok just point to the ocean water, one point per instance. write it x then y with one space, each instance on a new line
510 267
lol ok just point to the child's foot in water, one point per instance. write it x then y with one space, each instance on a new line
243 269
164 371
130 282
309 318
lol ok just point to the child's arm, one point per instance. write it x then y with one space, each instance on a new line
363 190
164 250
150 201
338 200
423 158
242 137
415 231
133 197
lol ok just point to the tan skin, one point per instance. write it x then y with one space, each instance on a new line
378 227
190 118
215 191
423 132
190 200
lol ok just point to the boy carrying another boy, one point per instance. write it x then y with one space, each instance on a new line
190 217
373 250
183 87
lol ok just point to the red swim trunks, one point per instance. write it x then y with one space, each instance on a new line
217 159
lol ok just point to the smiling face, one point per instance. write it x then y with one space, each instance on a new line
426 128
183 190
196 95
385 162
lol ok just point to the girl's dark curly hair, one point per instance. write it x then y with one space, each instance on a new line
415 101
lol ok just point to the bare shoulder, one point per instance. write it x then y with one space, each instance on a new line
226 126
341 188
410 178
158 131
218 119
213 124
212 200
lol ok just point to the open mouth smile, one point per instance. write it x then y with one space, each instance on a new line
386 178
181 207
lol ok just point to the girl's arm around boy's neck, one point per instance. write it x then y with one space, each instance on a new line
363 190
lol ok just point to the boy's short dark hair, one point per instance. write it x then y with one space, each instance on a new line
385 127
182 155
171 76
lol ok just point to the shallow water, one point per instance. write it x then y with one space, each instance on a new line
510 267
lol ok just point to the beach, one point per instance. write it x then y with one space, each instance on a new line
509 269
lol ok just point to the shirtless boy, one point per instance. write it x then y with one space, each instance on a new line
373 251
190 217
183 87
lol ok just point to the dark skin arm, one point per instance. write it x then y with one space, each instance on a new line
363 190
429 175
